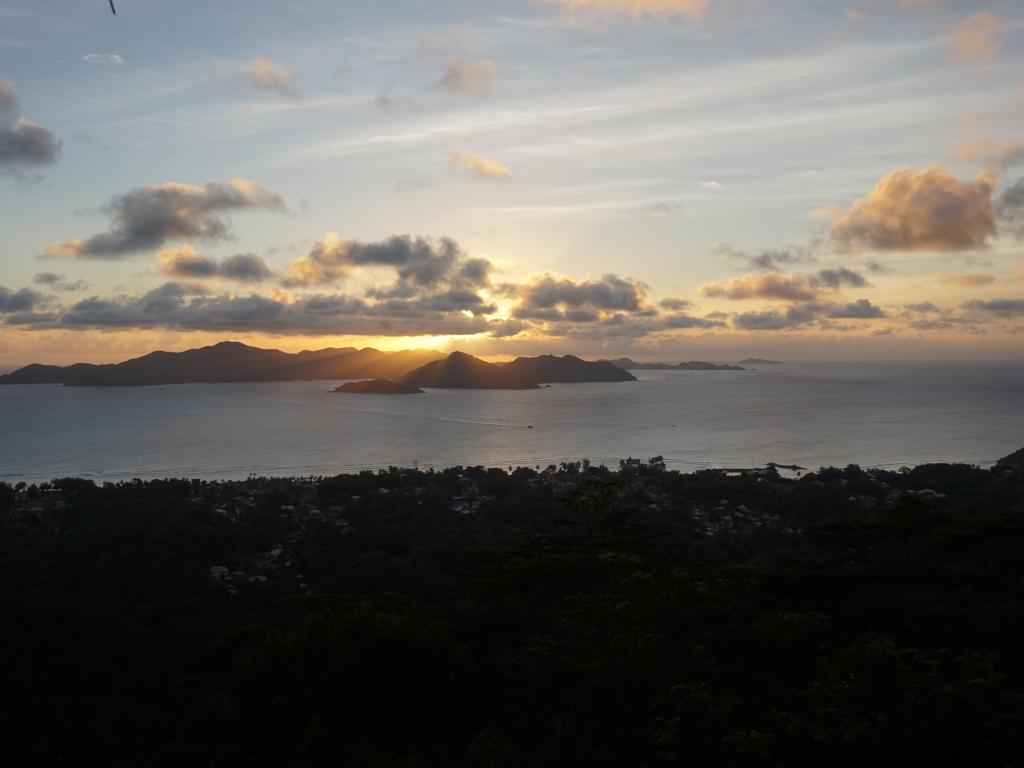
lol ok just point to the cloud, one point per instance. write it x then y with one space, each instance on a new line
23 300
675 305
8 99
480 166
24 143
690 10
839 278
999 307
662 208
767 286
806 314
550 298
186 263
146 218
768 259
58 282
190 307
272 77
1011 208
954 278
930 210
418 261
468 78
976 38
861 309
257 72
991 154
772 320
103 59
924 307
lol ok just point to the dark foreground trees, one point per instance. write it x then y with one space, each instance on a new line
473 617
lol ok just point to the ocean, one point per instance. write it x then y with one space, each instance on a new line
810 414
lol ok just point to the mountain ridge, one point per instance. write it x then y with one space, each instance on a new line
228 362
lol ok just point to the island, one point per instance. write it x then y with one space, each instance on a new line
233 362
759 361
462 371
568 369
227 362
378 387
694 365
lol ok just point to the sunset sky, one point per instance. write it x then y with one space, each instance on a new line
666 179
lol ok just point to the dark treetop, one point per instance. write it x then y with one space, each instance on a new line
572 616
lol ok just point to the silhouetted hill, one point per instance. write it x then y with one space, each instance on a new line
694 365
228 362
462 371
378 387
569 369
759 361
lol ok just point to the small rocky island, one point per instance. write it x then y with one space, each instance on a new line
378 387
759 361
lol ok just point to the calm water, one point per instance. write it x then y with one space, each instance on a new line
811 414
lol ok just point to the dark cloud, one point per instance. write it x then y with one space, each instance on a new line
418 261
675 305
190 307
148 217
768 259
767 286
805 314
58 282
922 308
861 309
23 300
772 319
998 307
1011 208
24 143
241 268
550 298
840 277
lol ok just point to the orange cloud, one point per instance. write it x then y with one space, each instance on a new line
478 165
930 210
691 10
269 76
991 154
976 38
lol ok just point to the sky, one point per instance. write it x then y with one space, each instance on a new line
664 179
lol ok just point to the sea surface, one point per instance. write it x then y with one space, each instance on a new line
811 414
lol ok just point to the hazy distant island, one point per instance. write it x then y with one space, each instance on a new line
759 361
694 365
568 615
378 387
227 362
234 362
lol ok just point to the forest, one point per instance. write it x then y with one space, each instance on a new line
568 615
